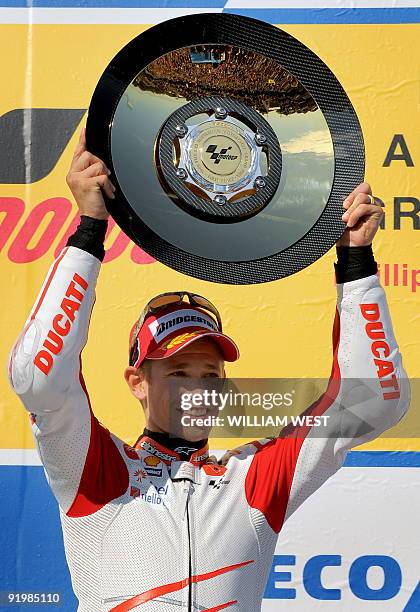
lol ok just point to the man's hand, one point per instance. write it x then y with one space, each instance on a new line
87 177
362 217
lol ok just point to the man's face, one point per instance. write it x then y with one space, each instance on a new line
160 387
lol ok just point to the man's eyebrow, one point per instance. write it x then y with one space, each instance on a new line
186 364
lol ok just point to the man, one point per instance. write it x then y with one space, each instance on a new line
161 526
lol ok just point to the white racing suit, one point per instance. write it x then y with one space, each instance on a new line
144 530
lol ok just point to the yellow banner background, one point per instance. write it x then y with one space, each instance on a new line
283 328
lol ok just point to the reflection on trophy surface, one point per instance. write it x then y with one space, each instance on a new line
251 78
265 138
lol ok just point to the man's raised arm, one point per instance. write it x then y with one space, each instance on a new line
45 362
368 391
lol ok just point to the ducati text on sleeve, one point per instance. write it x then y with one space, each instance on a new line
380 351
61 324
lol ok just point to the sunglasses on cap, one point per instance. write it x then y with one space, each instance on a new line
173 298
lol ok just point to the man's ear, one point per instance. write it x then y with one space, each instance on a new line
135 379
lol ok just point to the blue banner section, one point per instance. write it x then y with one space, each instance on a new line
333 15
32 556
383 459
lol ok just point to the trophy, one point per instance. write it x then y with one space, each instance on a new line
232 147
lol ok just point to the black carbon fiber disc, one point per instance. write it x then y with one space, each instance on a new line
232 147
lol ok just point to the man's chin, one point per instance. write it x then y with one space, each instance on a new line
190 430
193 433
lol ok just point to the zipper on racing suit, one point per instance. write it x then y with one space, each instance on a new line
186 516
190 475
190 609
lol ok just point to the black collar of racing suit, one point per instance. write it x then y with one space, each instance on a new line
185 448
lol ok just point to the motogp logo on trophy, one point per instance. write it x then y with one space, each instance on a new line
218 155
